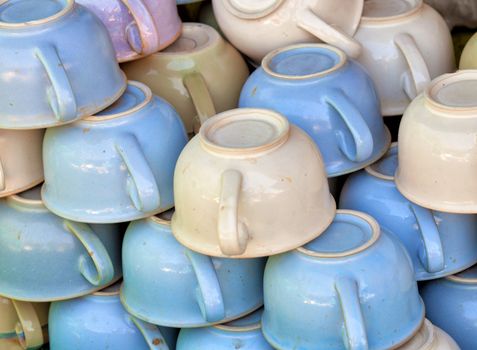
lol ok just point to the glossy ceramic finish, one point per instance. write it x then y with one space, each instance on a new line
200 74
99 322
39 251
250 185
439 243
258 27
327 95
430 337
52 73
405 44
137 27
451 304
21 165
116 166
244 333
437 148
185 2
468 59
344 290
168 284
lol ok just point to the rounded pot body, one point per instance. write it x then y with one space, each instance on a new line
468 58
430 337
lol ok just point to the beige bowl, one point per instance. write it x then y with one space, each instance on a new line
468 60
430 337
250 185
21 165
438 145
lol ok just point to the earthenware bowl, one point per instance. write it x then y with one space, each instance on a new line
430 337
468 59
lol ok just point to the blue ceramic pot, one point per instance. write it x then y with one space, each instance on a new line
451 304
99 322
52 70
439 243
170 285
116 166
351 288
243 334
44 257
329 96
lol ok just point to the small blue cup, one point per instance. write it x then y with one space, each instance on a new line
329 96
439 243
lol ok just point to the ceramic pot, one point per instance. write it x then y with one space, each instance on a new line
250 185
437 148
333 294
439 243
99 321
327 95
200 74
405 44
468 58
430 337
168 284
137 27
115 166
244 333
23 321
258 27
451 304
39 251
21 165
46 79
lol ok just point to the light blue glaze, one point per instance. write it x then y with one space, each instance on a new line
243 334
44 257
99 322
338 109
327 297
439 243
168 284
52 72
114 169
451 304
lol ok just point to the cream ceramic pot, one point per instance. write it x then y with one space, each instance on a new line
405 44
258 27
430 337
200 74
437 146
468 60
23 321
21 165
250 185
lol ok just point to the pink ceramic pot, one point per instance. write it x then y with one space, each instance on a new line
138 27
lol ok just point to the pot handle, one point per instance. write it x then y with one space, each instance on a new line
209 293
151 333
141 183
361 147
419 71
309 21
28 329
233 234
431 253
201 98
355 329
2 177
103 270
142 34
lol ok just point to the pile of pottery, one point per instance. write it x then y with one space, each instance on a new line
163 212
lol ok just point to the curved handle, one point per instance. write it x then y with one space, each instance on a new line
418 67
201 98
355 329
309 21
209 294
2 177
143 28
361 147
61 98
431 253
233 235
28 329
151 334
101 272
141 183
